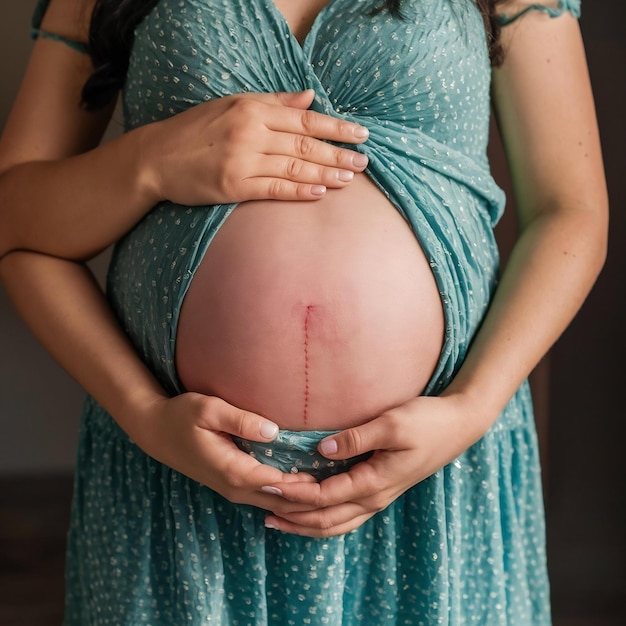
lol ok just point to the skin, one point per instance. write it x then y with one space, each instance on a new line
556 165
204 155
86 197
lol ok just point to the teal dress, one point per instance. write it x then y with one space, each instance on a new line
148 545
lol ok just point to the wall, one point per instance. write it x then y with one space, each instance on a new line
587 492
39 403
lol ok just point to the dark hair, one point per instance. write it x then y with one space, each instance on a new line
492 27
112 31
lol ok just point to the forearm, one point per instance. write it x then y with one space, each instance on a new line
78 328
77 206
66 310
546 117
550 272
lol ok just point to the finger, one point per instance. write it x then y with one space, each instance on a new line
362 481
220 416
282 508
244 477
300 477
313 124
325 518
301 171
291 114
278 524
314 150
280 189
248 120
242 466
382 433
244 474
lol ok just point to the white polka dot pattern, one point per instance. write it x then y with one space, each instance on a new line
466 546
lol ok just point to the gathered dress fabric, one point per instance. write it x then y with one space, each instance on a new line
148 545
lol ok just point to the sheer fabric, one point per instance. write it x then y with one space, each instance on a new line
466 546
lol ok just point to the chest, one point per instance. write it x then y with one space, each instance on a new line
300 15
428 70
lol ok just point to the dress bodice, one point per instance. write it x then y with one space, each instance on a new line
428 72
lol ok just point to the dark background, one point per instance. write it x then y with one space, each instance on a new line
578 391
586 480
578 388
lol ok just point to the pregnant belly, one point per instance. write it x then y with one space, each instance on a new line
319 316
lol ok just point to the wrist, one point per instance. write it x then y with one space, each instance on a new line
145 173
477 410
134 411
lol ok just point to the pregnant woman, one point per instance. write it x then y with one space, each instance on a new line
328 420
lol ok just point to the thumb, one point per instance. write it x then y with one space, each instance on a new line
374 435
226 418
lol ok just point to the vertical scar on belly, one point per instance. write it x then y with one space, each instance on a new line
307 321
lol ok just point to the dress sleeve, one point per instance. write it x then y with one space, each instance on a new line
36 32
573 6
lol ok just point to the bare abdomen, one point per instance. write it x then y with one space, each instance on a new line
318 316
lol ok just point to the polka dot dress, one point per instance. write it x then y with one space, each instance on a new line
466 546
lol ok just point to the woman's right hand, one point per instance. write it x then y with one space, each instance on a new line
191 433
249 147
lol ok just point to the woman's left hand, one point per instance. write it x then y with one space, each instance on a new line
410 443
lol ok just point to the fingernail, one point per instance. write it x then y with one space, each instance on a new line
361 132
345 175
359 160
328 446
270 523
273 490
269 430
318 190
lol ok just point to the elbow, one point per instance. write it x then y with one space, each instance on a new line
30 221
603 248
10 255
601 253
68 249
8 260
595 238
8 242
5 247
601 231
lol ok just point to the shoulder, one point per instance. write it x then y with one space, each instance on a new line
512 10
545 110
69 19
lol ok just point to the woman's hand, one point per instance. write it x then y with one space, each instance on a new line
191 434
410 443
249 147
